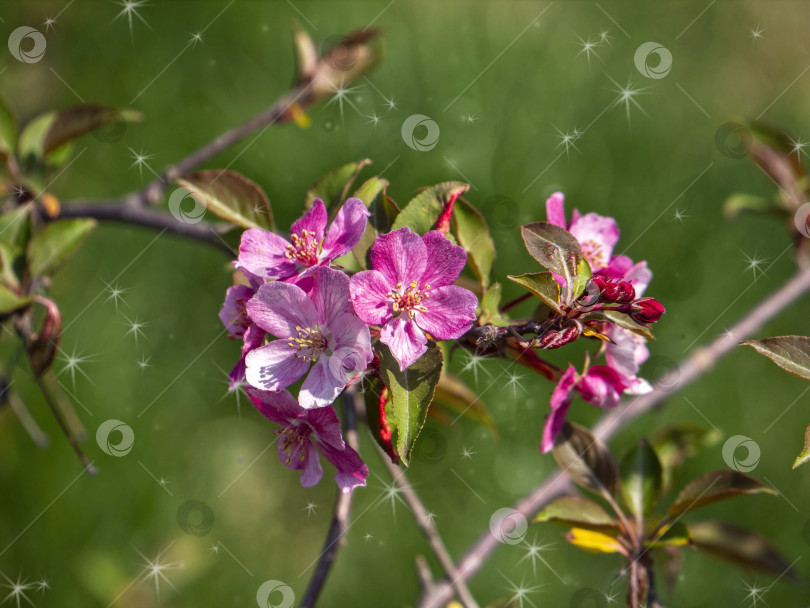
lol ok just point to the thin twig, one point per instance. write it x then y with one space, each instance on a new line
426 525
699 361
335 538
88 466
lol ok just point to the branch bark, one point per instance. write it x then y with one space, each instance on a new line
335 538
699 361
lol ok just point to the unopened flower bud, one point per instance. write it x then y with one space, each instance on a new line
598 283
555 338
611 292
646 311
627 293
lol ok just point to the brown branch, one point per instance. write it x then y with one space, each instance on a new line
431 533
128 213
335 538
699 361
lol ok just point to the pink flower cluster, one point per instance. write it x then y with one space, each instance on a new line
299 317
618 280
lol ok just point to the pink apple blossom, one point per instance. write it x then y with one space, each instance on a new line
304 433
318 336
409 291
270 256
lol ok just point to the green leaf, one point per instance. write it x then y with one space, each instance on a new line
739 546
791 353
228 194
642 478
555 249
453 394
10 301
8 131
422 211
47 133
586 459
675 442
489 307
14 226
55 243
541 284
372 193
8 262
714 486
371 396
333 188
579 513
472 233
750 203
673 535
805 455
622 320
411 392
584 275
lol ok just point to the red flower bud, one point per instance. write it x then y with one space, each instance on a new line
611 292
646 311
627 293
598 282
555 338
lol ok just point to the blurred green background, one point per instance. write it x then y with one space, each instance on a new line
503 82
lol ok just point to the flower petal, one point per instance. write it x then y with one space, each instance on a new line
640 276
450 312
369 291
279 308
626 352
254 336
320 388
445 261
602 386
560 402
313 221
330 294
233 314
400 256
311 465
274 366
598 236
279 406
262 253
346 230
351 470
405 339
555 209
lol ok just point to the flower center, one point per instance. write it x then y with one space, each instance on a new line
292 438
595 254
410 300
310 343
304 248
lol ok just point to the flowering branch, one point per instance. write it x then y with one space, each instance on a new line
699 361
